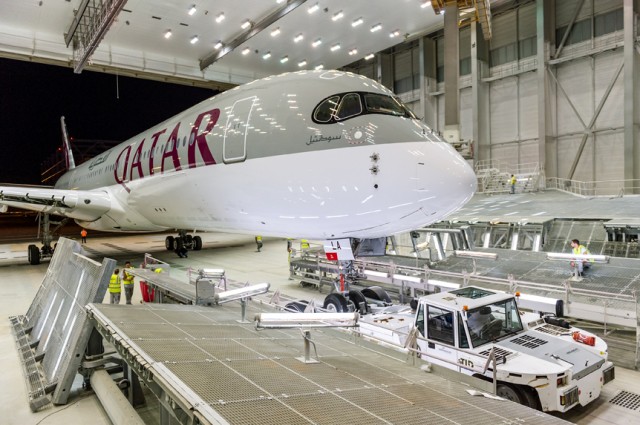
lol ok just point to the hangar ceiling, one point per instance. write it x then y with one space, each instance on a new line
136 41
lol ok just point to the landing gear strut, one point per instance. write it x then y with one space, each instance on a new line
183 242
36 254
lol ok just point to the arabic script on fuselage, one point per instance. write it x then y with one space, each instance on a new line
322 138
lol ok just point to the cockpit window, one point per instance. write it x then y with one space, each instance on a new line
349 106
379 104
340 107
326 110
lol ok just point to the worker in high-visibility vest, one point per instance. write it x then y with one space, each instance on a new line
83 235
259 242
512 184
580 265
114 287
304 244
127 282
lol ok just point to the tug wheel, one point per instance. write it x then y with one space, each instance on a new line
336 303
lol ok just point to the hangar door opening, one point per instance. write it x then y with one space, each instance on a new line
237 129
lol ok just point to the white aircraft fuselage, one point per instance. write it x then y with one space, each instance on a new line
315 154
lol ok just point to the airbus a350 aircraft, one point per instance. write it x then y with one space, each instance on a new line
314 154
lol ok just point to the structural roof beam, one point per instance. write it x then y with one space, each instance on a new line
89 26
256 28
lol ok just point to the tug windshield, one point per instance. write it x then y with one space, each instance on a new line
340 107
490 322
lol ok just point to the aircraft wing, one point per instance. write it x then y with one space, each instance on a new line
77 204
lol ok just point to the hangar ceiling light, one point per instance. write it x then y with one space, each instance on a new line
192 10
262 20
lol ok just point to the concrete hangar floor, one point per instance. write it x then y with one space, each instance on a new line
238 256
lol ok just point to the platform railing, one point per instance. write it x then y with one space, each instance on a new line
617 188
494 175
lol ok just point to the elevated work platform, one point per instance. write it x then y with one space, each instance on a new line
547 221
207 366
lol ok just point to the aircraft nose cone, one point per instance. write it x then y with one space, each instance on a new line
447 179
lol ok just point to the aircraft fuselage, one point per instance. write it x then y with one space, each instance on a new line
311 154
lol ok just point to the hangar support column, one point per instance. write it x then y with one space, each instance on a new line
631 97
545 43
428 103
451 73
480 95
384 70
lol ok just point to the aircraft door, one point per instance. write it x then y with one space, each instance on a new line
236 130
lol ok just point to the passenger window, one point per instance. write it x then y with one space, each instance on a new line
326 109
349 106
440 325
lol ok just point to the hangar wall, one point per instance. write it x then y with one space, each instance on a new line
582 80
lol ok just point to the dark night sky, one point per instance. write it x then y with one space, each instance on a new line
95 105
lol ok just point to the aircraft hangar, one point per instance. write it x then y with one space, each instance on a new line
539 97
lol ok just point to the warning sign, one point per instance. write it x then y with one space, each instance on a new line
338 250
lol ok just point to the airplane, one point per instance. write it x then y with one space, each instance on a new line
311 154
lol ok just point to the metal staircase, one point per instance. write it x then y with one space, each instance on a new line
493 176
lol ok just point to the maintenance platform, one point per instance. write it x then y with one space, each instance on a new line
233 253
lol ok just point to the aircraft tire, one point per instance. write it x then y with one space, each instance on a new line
197 243
169 243
34 255
188 239
376 293
336 303
359 301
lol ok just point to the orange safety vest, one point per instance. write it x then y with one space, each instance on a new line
83 233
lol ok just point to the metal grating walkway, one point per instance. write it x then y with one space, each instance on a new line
626 399
232 372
